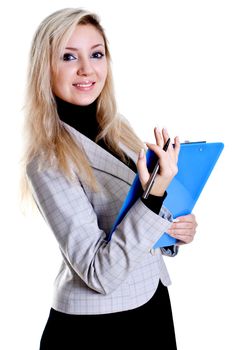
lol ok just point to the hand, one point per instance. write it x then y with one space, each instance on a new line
167 163
183 228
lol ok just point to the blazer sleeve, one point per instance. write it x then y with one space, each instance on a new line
102 266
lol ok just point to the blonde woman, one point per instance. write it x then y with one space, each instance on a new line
81 158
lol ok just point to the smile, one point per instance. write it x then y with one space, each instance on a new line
84 86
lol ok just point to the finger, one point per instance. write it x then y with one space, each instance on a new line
183 235
190 219
142 168
184 222
185 218
182 226
158 137
176 146
181 230
165 135
156 149
184 239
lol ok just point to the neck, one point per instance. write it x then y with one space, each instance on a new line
82 118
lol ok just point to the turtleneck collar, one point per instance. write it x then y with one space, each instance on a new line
82 118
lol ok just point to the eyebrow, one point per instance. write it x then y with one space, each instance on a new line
76 49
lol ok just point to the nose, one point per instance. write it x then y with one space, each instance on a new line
85 67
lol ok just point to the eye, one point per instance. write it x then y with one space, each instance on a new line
68 57
97 55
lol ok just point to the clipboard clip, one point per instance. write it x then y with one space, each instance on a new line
187 141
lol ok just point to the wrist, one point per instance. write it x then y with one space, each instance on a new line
157 193
159 187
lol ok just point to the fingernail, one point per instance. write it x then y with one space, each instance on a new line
175 220
141 154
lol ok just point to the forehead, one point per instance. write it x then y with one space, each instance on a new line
85 35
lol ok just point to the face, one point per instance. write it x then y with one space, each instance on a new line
82 68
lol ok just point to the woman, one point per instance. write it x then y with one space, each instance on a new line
81 158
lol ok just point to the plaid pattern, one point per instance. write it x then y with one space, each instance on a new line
96 277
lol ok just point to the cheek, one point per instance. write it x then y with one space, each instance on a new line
104 74
59 77
59 80
64 72
103 71
55 84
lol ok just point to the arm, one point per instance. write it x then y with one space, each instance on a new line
154 203
72 218
167 170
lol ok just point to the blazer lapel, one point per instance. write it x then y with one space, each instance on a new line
101 159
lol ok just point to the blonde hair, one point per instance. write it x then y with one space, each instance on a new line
46 136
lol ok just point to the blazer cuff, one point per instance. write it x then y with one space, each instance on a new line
154 203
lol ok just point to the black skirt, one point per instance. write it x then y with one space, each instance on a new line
150 324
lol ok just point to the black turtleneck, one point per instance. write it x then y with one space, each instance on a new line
83 119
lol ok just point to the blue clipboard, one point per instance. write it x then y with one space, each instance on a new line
195 164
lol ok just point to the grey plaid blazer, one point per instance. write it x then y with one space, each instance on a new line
96 277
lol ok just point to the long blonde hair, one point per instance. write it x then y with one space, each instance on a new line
46 136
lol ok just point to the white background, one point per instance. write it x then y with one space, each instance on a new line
172 63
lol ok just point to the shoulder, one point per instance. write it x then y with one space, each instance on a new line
40 163
44 173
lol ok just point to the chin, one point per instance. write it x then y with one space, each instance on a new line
84 101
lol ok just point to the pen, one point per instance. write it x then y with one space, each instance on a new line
153 174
